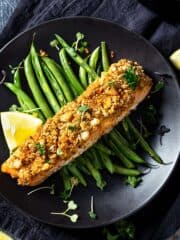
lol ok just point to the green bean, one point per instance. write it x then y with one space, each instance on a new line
94 156
17 83
54 68
105 60
39 98
127 133
102 148
42 80
106 161
120 137
75 172
83 76
127 163
99 69
66 179
75 56
93 62
95 174
54 84
17 78
69 72
81 165
143 142
126 150
126 171
26 99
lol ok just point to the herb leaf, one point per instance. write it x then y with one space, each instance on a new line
159 85
92 215
83 108
72 205
131 77
122 230
80 44
72 127
59 152
150 114
15 108
41 149
133 181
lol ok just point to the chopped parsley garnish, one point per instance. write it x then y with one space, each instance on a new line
133 181
159 85
83 108
131 77
41 149
59 152
72 127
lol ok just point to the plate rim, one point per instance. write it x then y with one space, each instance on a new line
156 192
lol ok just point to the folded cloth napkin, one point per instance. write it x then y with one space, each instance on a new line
154 221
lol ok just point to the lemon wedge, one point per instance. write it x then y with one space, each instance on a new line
17 127
4 236
175 58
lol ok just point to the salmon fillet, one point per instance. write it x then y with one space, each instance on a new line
79 124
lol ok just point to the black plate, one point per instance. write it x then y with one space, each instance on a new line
117 200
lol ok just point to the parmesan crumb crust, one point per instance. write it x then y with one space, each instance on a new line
107 98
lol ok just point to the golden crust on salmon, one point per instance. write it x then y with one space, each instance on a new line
79 124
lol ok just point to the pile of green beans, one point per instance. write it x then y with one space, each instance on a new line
55 84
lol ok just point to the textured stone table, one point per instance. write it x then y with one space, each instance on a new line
6 9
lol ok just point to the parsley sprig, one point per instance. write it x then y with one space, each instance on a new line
71 206
131 77
80 44
92 213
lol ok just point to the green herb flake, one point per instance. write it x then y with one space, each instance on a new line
47 161
131 77
41 149
83 108
59 152
158 86
72 127
111 84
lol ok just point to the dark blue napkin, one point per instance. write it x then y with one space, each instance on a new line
158 21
